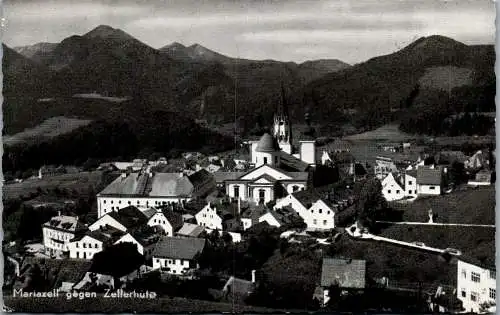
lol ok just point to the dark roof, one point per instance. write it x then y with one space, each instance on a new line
284 215
129 217
412 173
226 209
178 247
200 178
291 163
254 213
106 234
429 176
221 177
338 145
483 255
267 143
348 273
174 218
67 223
145 235
149 212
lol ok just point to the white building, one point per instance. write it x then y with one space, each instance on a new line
87 245
410 183
167 220
208 217
393 188
264 183
475 285
430 180
176 255
57 233
147 189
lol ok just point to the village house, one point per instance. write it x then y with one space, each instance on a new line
58 232
237 290
124 219
51 170
177 255
393 187
87 245
278 217
430 180
168 220
348 274
250 216
149 189
476 284
482 178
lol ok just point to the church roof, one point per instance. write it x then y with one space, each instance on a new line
267 144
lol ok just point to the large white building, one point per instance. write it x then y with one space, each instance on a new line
476 285
148 189
58 232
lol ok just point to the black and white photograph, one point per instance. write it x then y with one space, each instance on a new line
248 156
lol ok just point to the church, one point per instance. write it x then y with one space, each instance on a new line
277 170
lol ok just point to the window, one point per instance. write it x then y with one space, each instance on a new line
464 294
84 245
432 187
397 191
389 191
265 160
493 274
328 212
119 202
96 245
77 245
129 203
295 188
275 160
315 221
493 294
111 201
236 191
475 277
410 182
262 194
324 222
77 254
104 202
473 296
409 191
137 201
320 210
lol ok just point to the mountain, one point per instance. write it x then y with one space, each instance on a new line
32 50
387 87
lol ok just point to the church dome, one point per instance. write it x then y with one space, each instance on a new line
267 144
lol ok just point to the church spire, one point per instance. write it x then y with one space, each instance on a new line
282 128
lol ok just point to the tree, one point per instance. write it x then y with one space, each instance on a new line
370 202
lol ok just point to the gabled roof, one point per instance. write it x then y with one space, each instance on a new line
179 248
129 217
348 273
429 176
291 162
200 178
174 218
293 175
238 286
412 173
106 234
189 229
149 212
254 213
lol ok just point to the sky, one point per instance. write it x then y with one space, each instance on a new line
287 30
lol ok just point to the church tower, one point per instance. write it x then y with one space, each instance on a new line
282 129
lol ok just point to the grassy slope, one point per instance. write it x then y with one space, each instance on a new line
472 206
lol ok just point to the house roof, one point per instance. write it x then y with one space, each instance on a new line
291 162
155 185
129 217
178 247
254 213
200 178
267 143
174 218
149 212
106 234
429 176
66 223
412 173
338 145
189 229
283 216
117 260
221 177
348 273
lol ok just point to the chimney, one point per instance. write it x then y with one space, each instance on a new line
253 276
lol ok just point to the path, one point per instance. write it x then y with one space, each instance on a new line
439 224
370 236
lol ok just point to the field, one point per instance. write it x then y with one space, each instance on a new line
403 266
469 206
477 243
388 132
125 305
79 181
49 128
